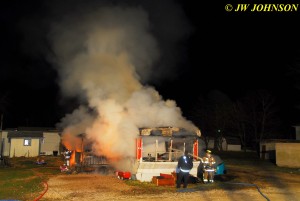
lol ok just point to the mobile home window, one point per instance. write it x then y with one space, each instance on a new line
27 142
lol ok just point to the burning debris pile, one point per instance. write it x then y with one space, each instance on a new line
103 56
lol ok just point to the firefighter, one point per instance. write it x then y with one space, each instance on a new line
184 166
208 167
67 155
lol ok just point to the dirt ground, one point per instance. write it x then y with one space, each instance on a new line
275 186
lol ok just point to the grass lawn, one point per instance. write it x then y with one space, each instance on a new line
23 179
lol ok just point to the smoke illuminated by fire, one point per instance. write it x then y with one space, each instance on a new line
102 57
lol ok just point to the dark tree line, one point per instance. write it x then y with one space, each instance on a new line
251 118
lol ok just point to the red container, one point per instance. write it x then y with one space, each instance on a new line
123 175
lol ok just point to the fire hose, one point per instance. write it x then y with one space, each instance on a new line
239 183
249 184
42 194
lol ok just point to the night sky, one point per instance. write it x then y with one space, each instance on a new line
233 52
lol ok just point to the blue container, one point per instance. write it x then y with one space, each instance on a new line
221 169
10 200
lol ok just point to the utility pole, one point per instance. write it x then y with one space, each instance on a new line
1 123
1 140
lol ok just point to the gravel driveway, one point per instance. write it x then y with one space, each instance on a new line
78 187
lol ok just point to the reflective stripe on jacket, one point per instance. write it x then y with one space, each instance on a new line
182 170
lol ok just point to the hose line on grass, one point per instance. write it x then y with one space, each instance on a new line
249 184
41 195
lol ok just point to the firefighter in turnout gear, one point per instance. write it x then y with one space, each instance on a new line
184 166
67 155
208 167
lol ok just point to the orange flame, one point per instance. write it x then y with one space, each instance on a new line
73 143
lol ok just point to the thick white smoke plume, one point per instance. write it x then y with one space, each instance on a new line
99 56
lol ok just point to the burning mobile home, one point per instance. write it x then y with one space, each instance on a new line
157 151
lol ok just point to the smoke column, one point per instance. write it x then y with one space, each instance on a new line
102 57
